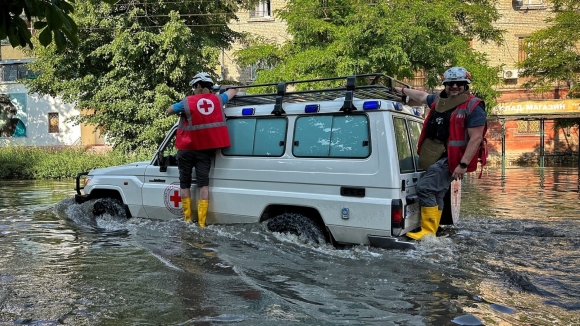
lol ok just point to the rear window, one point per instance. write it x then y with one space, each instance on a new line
345 136
415 132
256 136
404 150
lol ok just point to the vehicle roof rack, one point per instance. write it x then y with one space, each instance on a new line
366 86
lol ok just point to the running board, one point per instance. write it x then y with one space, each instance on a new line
389 242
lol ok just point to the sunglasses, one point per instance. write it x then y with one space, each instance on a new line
458 83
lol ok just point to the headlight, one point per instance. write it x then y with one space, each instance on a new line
87 180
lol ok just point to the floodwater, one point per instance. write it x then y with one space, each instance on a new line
514 259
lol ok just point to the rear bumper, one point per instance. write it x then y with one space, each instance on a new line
79 197
389 242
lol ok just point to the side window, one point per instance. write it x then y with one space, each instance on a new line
415 131
332 136
404 151
256 136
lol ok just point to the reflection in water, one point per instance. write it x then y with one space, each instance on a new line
513 259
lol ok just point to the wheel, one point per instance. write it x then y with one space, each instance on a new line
298 225
111 206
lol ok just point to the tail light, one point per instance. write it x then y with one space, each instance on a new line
397 221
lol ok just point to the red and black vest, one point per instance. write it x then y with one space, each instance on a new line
458 136
202 124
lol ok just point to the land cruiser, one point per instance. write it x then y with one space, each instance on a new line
336 161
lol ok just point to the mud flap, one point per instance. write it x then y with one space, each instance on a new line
446 218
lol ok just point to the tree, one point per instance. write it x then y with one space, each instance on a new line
554 54
133 60
52 16
396 37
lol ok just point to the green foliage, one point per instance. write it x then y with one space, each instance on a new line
19 162
132 62
52 17
397 37
553 52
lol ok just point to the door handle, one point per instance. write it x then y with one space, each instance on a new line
157 180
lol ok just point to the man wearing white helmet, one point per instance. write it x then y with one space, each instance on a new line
451 137
202 129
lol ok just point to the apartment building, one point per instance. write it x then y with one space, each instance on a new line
523 118
261 22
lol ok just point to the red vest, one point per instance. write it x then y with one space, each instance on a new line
458 136
202 124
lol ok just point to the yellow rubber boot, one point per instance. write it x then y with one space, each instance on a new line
430 218
186 204
202 212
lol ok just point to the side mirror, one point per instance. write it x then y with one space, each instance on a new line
161 162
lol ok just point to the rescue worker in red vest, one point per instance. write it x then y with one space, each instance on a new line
202 129
452 133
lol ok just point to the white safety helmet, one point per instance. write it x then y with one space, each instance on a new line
456 74
201 77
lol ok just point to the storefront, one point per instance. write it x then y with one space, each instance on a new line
522 133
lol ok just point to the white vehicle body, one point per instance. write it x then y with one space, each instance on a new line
354 173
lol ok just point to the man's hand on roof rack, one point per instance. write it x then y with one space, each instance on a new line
414 94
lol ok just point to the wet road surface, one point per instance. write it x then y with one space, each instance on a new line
513 260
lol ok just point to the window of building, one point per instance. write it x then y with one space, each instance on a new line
262 10
53 122
529 127
257 136
522 51
529 2
332 136
255 69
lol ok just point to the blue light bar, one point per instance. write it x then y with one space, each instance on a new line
398 106
248 111
312 108
416 111
371 105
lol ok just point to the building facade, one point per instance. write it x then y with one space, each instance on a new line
524 119
34 120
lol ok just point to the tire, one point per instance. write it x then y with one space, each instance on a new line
111 206
298 225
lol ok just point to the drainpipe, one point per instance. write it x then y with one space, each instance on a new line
502 121
542 143
222 74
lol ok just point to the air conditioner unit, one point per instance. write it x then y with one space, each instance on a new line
510 74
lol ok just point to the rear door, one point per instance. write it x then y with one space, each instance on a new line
407 133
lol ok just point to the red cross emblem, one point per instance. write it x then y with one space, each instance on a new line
205 106
172 199
175 198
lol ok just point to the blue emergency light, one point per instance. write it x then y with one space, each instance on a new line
312 108
248 111
371 105
398 106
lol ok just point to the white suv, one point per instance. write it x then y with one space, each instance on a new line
333 164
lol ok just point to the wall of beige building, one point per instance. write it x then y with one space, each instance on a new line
268 27
519 19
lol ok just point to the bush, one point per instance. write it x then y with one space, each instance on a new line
20 162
